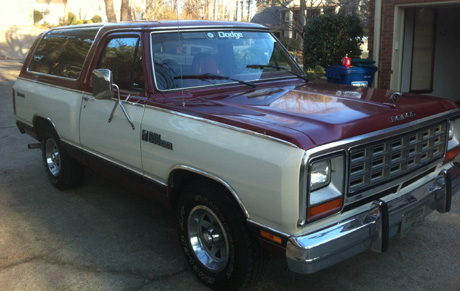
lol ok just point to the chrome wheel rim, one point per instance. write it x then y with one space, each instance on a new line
53 157
208 238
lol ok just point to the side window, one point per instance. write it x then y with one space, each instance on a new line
123 57
62 52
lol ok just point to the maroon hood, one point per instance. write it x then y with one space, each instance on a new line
315 114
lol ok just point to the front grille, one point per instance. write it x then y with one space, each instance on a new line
379 162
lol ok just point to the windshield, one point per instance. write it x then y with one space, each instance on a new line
206 58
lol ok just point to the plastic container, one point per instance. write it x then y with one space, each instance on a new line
365 63
354 76
346 61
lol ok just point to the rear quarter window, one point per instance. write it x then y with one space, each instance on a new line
62 52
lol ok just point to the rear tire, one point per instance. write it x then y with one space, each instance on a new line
62 170
215 238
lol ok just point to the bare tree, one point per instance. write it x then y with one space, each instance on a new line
296 14
207 9
110 11
125 11
302 13
193 9
156 9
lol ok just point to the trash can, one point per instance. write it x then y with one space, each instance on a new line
365 63
353 75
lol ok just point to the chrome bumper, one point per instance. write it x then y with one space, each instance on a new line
370 229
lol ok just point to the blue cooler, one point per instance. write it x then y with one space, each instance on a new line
354 76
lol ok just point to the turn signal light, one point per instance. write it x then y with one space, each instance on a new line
270 236
450 155
325 209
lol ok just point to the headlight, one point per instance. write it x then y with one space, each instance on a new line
453 146
320 174
326 186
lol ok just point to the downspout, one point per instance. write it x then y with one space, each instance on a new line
376 43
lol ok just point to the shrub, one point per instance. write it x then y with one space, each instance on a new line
96 19
291 44
38 16
330 37
71 18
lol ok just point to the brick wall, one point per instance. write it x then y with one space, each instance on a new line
386 36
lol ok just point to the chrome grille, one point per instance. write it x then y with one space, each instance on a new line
375 163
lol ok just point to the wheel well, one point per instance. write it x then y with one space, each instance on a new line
181 178
40 124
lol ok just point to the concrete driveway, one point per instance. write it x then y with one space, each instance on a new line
101 236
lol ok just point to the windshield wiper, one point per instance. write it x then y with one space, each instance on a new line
278 68
208 76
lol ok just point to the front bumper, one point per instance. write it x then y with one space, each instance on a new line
373 228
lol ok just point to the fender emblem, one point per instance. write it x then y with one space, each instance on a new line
401 117
155 138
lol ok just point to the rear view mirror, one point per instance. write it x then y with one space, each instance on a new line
102 84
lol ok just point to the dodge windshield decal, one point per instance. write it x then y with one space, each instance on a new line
155 138
231 34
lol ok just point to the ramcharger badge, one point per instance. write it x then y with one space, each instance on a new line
402 116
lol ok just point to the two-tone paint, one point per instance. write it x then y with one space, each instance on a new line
256 142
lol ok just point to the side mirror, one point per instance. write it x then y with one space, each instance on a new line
102 84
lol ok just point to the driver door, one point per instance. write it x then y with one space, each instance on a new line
106 131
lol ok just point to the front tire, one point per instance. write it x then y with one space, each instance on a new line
215 239
62 170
